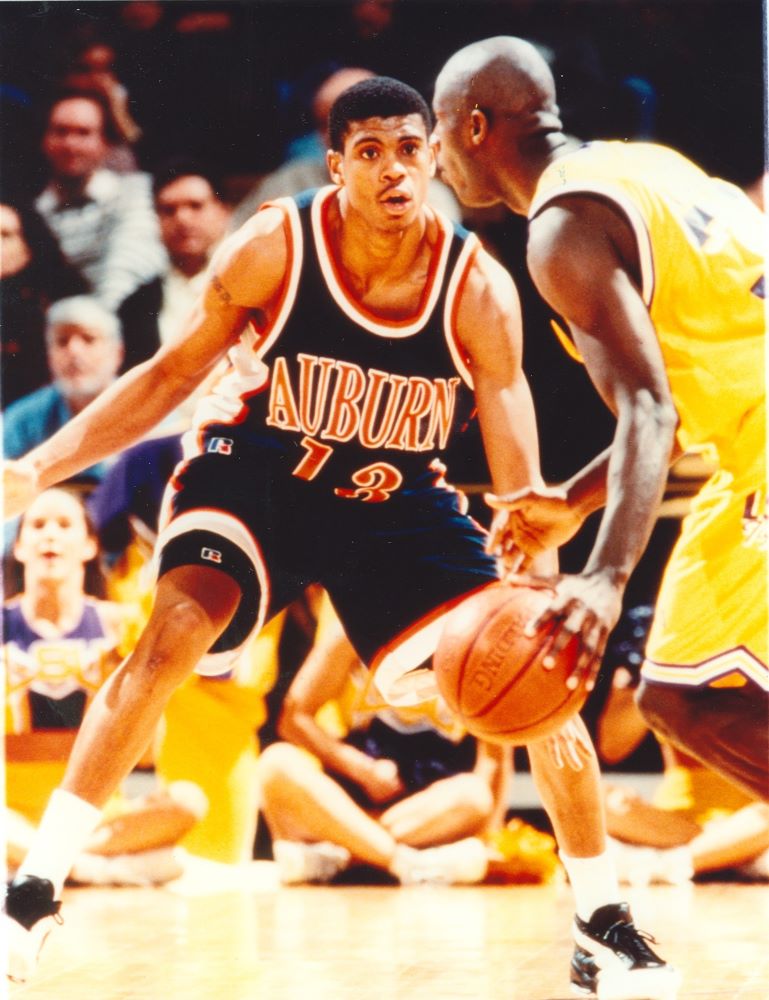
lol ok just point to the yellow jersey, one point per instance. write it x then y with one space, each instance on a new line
701 247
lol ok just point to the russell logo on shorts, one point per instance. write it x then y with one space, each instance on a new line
212 555
220 446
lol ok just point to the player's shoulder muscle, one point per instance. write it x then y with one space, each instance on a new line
489 307
573 249
250 265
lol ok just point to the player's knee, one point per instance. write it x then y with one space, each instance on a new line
667 710
281 767
177 636
474 798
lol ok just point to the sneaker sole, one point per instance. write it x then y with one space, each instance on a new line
643 984
24 947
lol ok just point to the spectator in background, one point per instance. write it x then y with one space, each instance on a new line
401 791
60 644
697 822
193 218
93 70
33 274
103 221
307 168
84 350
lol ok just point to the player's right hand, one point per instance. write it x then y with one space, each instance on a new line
20 487
382 781
529 522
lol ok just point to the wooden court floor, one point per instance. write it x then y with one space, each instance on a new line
238 936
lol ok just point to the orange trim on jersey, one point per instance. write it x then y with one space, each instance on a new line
288 283
354 308
454 297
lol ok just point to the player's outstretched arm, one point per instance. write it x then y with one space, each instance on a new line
322 678
246 280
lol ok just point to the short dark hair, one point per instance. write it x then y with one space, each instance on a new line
110 131
183 166
379 97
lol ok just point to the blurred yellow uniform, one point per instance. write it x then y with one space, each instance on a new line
49 683
701 248
210 738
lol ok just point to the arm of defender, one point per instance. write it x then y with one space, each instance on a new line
322 677
489 328
247 276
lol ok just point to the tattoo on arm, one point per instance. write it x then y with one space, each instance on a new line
221 291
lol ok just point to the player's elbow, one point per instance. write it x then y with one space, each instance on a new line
656 412
288 726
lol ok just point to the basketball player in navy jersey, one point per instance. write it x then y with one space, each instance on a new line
361 329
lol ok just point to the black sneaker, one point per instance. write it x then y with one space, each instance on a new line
613 961
29 914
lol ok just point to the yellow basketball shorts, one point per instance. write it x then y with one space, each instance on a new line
710 625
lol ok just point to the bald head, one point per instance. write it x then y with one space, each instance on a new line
506 77
496 122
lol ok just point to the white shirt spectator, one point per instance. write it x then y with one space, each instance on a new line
180 292
111 233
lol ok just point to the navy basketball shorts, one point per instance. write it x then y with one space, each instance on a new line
392 569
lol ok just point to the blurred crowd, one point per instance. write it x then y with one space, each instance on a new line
136 136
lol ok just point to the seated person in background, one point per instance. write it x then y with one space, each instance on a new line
395 793
93 69
59 646
125 505
193 218
698 822
33 274
308 169
84 349
103 220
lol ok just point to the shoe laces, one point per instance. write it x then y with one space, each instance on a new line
633 942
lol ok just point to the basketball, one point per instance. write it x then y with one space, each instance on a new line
491 675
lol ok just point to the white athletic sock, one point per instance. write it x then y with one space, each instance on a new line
593 882
64 830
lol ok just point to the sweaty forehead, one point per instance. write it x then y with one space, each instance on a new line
384 129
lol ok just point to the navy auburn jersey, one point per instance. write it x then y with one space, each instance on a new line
354 404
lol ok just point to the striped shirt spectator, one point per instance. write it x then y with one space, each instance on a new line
105 222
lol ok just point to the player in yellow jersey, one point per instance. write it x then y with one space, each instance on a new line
658 270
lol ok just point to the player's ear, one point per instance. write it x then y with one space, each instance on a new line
335 167
432 158
479 126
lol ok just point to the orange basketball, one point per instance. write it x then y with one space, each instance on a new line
491 675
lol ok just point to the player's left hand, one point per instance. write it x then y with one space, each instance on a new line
529 522
587 605
570 746
20 487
